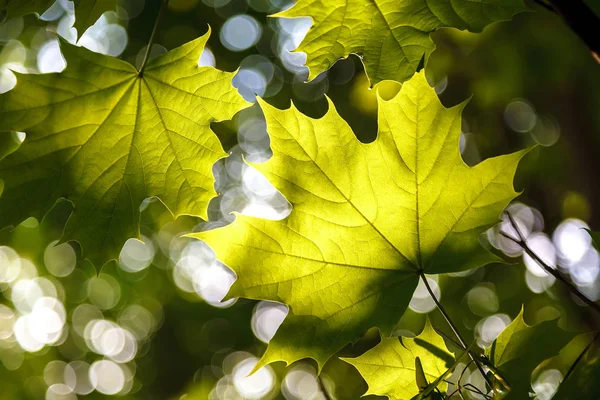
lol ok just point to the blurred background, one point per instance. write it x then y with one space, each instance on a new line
152 326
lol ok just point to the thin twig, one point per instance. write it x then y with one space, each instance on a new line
455 330
521 241
159 18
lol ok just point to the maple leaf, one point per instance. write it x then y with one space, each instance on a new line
389 367
520 348
367 219
106 137
391 36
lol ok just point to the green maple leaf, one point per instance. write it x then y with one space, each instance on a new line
389 367
367 220
392 37
87 12
106 138
520 348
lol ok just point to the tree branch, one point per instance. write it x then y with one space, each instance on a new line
521 241
582 20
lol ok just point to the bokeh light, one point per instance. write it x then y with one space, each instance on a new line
267 318
240 32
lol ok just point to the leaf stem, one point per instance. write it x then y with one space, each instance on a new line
455 330
159 18
521 241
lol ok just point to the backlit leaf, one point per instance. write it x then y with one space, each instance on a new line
520 348
367 219
106 138
391 36
389 368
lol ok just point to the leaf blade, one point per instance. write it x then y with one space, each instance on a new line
392 37
366 220
128 142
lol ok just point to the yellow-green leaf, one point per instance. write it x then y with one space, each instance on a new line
520 348
367 219
389 367
391 36
87 12
106 138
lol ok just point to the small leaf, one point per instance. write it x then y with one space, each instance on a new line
390 367
420 375
106 138
392 37
368 219
520 348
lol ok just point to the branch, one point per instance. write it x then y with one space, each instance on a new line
159 18
582 20
455 331
552 271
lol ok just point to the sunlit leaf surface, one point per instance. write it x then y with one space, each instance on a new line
389 368
367 220
106 138
391 36
520 348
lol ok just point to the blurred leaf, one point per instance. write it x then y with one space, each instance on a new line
390 367
520 348
368 219
106 138
87 12
392 37
18 8
581 360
